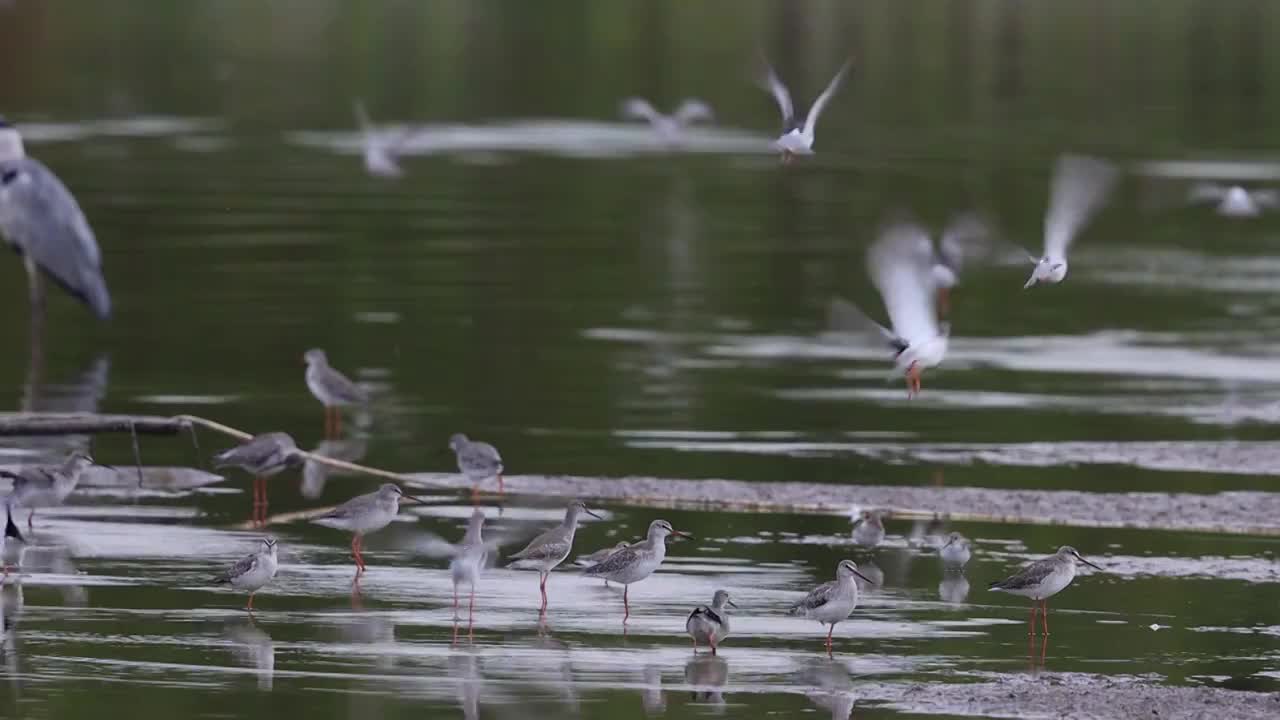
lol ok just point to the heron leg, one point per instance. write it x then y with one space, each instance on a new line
626 604
501 491
471 606
30 515
249 607
35 287
355 552
1044 615
712 640
830 629
1031 621
542 585
695 644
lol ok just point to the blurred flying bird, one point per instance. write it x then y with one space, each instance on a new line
669 128
381 147
1234 201
1079 189
901 264
797 139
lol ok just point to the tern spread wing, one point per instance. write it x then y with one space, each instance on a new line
845 317
1079 189
638 109
967 239
693 110
815 110
900 264
769 81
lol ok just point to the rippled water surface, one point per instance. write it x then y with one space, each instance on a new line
597 303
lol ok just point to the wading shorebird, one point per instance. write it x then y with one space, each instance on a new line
955 553
333 389
797 139
868 530
1079 189
599 556
834 601
41 220
1042 580
710 623
478 461
467 558
252 572
262 456
39 486
549 549
364 514
636 562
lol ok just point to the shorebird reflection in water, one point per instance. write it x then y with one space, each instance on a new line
366 514
545 552
262 456
636 562
1041 580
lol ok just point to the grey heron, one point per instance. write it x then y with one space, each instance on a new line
40 218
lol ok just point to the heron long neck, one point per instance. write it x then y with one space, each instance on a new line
473 533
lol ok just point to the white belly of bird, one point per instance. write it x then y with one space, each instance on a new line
371 521
794 142
704 630
639 570
837 609
258 576
319 390
955 554
1052 584
465 568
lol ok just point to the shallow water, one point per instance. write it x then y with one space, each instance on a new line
597 304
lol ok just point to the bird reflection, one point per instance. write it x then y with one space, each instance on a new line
11 602
833 689
652 698
56 560
315 475
708 675
954 587
253 648
80 393
377 631
562 679
464 669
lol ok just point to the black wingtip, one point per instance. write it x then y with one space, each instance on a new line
10 529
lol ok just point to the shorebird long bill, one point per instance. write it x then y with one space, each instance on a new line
864 577
415 498
585 510
1086 562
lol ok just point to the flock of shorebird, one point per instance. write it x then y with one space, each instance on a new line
42 220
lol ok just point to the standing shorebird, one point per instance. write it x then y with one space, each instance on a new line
549 549
381 148
479 461
955 553
1079 189
364 514
1042 580
669 128
636 562
831 602
599 556
797 139
868 530
254 571
333 389
37 486
261 456
43 222
710 623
